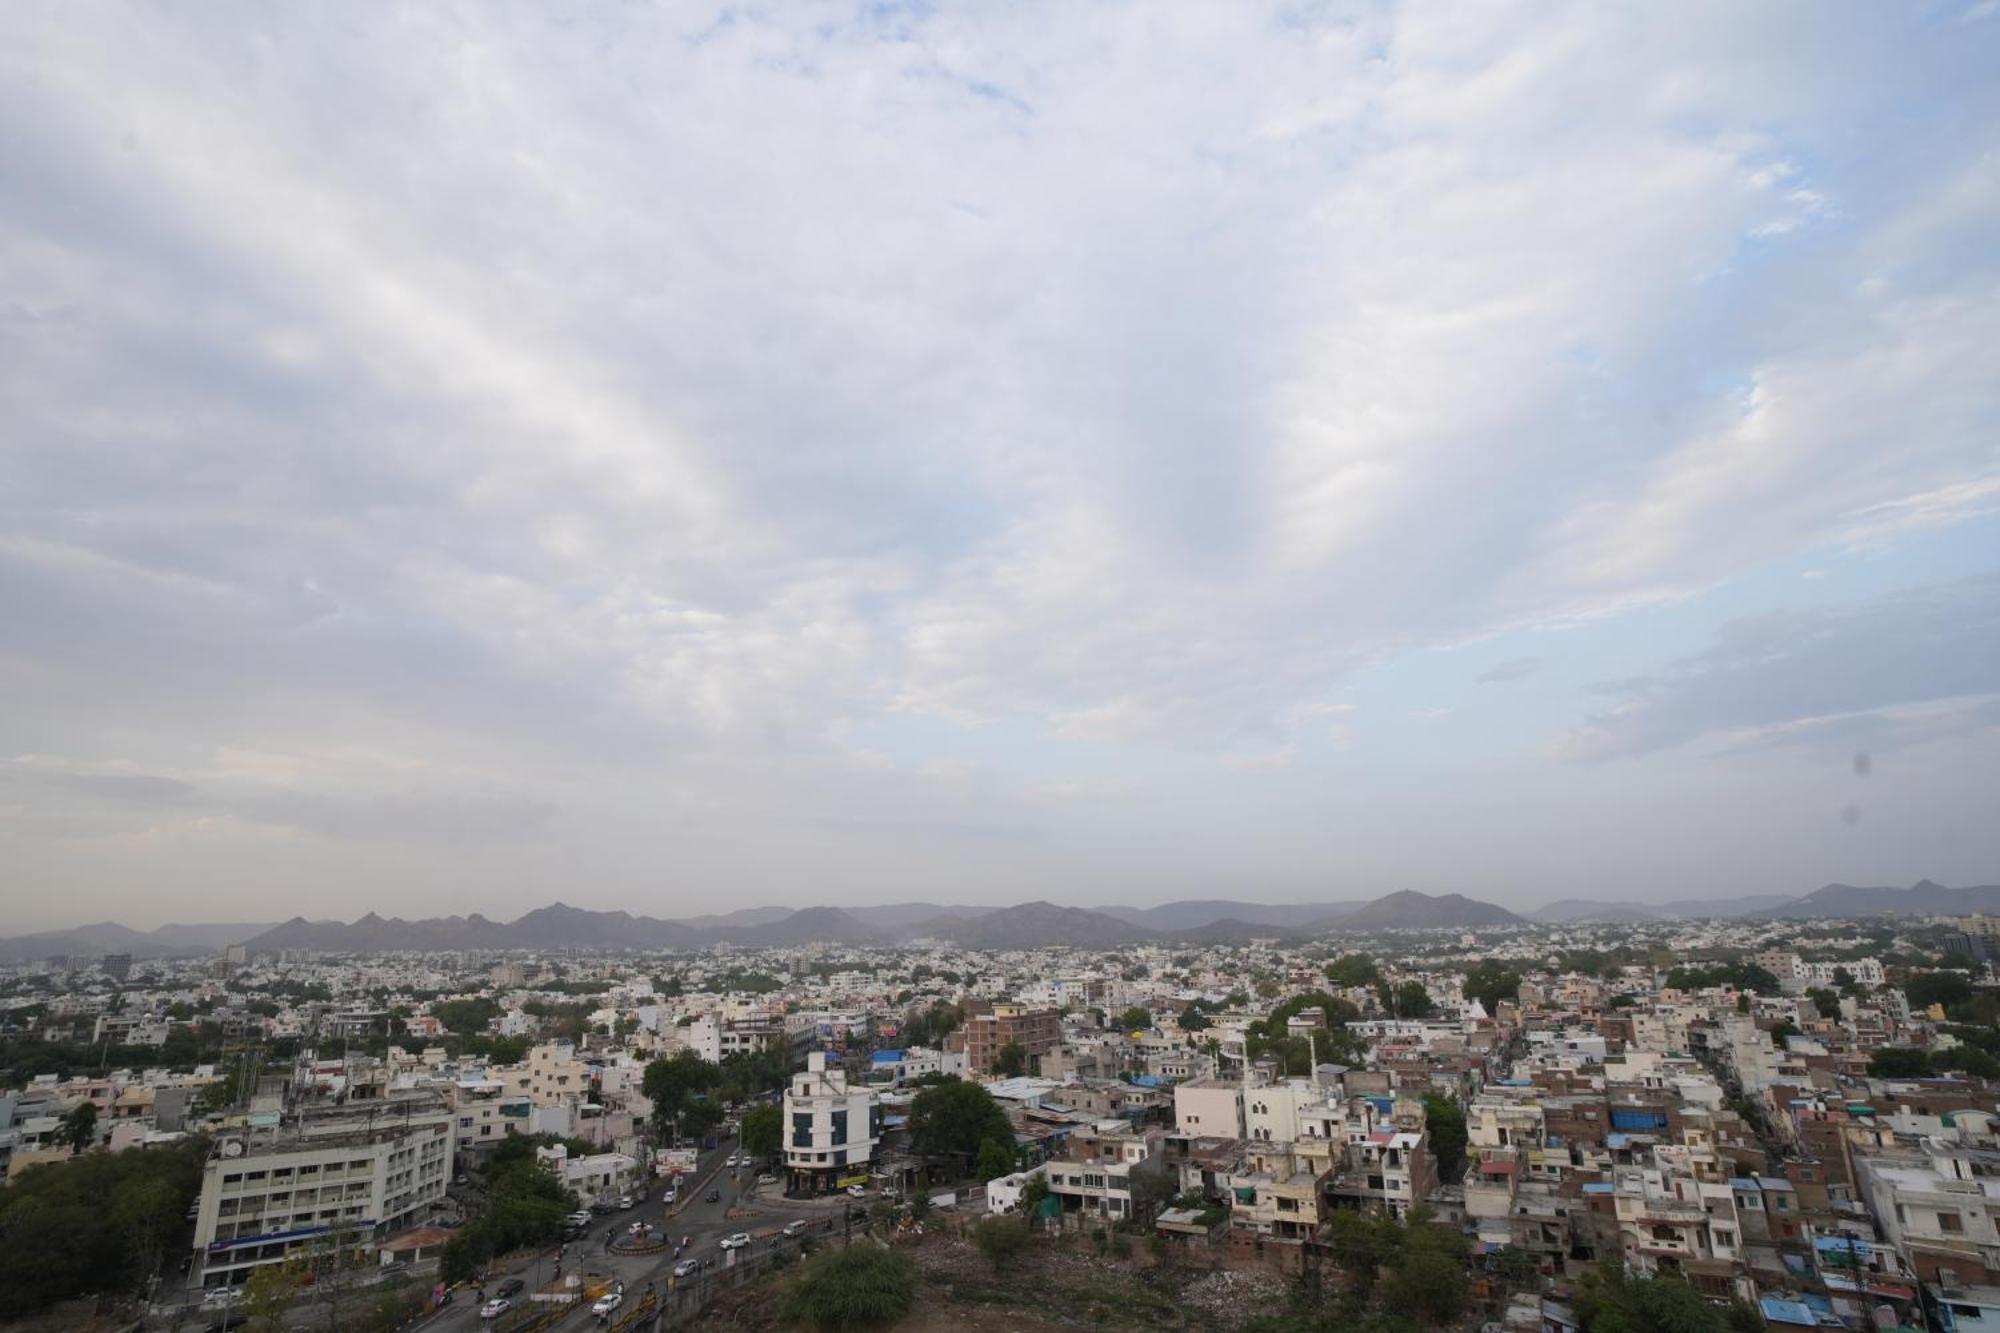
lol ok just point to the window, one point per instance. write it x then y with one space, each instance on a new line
1950 1222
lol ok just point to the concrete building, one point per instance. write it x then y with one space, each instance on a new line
831 1129
302 1188
987 1033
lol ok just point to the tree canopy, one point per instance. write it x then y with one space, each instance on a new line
98 1222
954 1119
853 1288
1491 981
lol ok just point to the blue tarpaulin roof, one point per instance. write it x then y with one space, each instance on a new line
1787 1312
888 1057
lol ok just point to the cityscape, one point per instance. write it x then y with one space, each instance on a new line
1772 1118
1017 666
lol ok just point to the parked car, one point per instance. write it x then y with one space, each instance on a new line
579 1218
606 1303
601 1207
737 1241
857 1190
510 1286
767 1178
796 1228
687 1268
496 1307
626 1201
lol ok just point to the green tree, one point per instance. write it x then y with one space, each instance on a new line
1611 1301
675 1085
97 1222
1825 1001
1949 989
77 1129
996 1159
1011 1060
1491 981
1408 1000
1133 1018
763 1129
952 1120
853 1288
1445 1120
1000 1239
1353 969
466 1017
269 1295
1899 1062
1430 1283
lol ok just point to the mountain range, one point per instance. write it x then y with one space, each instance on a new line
1924 898
1023 926
104 937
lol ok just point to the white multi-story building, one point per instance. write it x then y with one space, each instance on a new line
831 1130
340 1180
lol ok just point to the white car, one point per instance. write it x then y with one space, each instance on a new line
216 1297
795 1228
669 1195
496 1307
737 1241
687 1268
606 1303
733 1162
767 1179
857 1190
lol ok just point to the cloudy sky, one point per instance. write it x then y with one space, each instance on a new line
457 457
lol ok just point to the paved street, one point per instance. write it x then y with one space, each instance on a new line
763 1213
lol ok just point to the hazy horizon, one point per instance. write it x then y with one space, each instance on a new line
459 458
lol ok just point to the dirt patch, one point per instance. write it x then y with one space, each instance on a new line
1049 1287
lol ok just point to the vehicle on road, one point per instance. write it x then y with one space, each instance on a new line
601 1207
767 1179
496 1307
737 1241
510 1286
606 1303
714 1196
216 1298
733 1162
627 1201
857 1190
795 1228
687 1268
669 1194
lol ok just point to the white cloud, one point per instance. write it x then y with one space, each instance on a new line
621 411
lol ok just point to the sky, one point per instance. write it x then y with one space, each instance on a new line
461 456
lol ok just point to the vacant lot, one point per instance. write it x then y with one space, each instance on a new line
1049 1286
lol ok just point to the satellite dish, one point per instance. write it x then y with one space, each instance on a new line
232 1149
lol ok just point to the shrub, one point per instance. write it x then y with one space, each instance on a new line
858 1287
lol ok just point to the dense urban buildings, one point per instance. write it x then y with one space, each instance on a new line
1787 1115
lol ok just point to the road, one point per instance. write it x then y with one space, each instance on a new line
761 1212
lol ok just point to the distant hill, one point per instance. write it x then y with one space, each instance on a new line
1037 925
811 925
1722 907
1576 911
1196 913
742 916
1234 930
109 937
1924 898
1409 910
893 917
